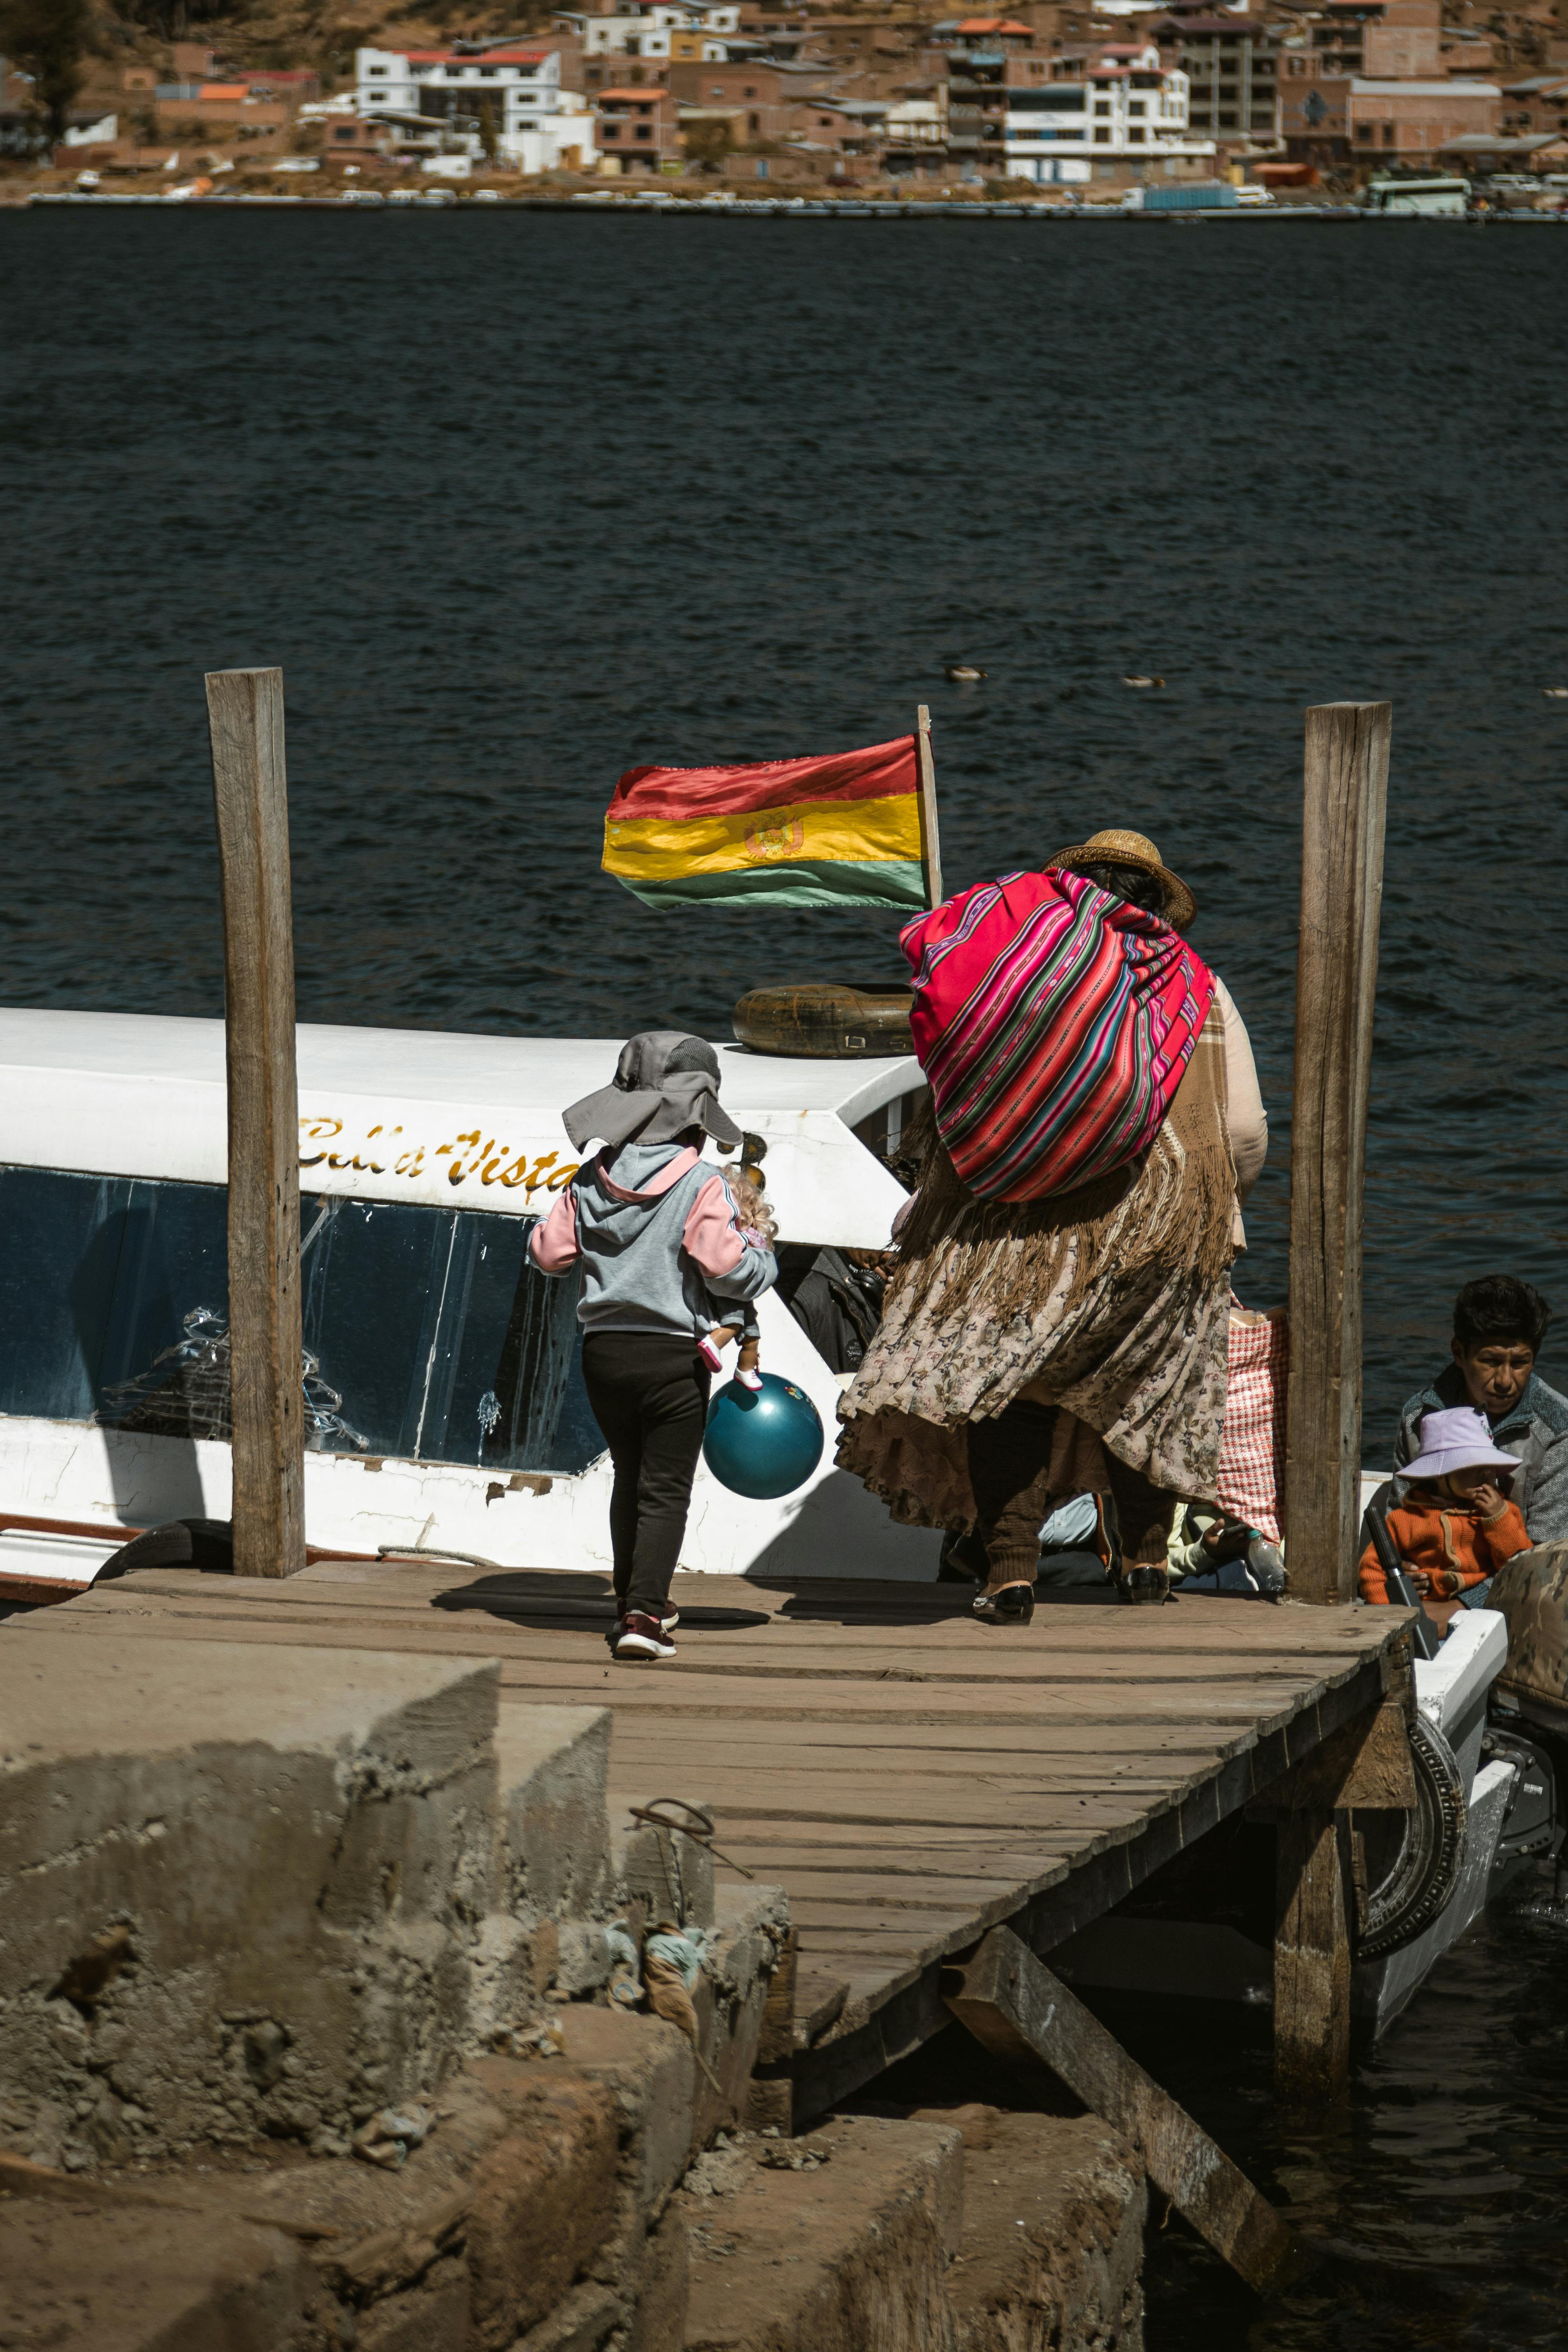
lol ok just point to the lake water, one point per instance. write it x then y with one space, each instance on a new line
518 500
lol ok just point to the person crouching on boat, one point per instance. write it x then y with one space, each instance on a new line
1455 1526
654 1231
1500 1327
1058 1319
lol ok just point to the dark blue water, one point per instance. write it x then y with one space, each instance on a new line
517 500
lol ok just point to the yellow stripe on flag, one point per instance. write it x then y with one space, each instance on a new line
664 849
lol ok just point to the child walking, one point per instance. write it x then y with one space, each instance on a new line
665 1256
1455 1528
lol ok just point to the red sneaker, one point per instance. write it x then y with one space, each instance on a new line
639 1637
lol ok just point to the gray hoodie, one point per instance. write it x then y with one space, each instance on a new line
654 1229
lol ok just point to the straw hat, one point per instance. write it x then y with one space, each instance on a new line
1117 848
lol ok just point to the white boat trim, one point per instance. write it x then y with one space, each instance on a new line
445 1119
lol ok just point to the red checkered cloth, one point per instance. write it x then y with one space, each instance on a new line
1252 1443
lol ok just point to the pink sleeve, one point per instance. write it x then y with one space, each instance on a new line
712 1236
553 1244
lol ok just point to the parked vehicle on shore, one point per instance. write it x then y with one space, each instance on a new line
1446 193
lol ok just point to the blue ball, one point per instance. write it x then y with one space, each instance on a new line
762 1441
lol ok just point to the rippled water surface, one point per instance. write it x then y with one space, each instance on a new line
518 500
1430 2207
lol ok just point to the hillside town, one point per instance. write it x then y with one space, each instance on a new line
1059 99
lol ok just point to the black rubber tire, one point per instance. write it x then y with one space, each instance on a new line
205 1544
1420 1884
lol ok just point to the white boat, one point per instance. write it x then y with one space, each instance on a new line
447 1410
1487 1807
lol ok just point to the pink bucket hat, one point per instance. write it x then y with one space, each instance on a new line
1458 1439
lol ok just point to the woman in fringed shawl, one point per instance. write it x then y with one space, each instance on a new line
1059 1315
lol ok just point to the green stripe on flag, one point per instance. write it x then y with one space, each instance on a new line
834 882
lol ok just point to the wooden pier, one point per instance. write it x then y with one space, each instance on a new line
912 1778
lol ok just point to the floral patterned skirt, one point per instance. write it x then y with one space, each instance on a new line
1135 1357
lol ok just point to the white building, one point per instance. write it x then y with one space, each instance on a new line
538 126
1127 110
643 28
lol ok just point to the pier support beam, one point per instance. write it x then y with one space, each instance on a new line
244 711
1336 979
1311 1960
1014 2005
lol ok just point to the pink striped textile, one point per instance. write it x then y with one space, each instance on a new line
1054 1023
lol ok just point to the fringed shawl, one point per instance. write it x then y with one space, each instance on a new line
1112 1303
1054 1023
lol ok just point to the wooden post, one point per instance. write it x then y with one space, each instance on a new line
930 845
1311 1959
244 711
1336 977
1011 2001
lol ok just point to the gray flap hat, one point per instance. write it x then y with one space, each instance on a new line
665 1081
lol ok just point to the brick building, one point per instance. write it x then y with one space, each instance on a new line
1535 108
639 128
1232 65
1412 121
754 95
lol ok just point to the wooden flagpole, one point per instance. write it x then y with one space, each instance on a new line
245 708
930 845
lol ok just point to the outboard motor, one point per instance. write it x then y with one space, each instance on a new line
1531 1830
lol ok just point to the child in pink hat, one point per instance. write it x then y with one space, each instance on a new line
1456 1526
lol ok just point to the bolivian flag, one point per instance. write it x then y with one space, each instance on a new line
844 831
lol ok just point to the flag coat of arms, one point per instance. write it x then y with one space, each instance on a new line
840 830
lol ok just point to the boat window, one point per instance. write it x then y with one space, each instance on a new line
428 1335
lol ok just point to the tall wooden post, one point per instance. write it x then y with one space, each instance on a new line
1336 979
931 842
244 711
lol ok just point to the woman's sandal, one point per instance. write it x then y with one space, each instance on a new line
1011 1604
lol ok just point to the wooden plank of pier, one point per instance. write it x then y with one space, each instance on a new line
911 1777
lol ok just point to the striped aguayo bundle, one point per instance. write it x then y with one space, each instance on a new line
843 830
1054 1023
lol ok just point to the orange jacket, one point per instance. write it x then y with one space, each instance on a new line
1450 1541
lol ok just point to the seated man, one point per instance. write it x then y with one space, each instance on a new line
1498 1326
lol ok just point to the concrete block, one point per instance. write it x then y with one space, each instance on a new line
581 2322
541 2202
847 2251
730 1998
141 2279
669 1875
662 2290
235 1884
1070 2278
553 1765
649 2069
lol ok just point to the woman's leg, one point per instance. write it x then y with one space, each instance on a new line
1009 1470
655 1391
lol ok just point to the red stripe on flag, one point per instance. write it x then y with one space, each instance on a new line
878 772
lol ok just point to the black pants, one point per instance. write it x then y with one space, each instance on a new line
649 1390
